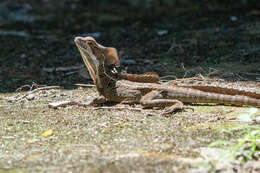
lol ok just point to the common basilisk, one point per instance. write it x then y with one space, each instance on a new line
115 87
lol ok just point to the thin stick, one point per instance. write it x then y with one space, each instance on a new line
62 69
66 103
239 121
119 108
85 85
253 121
37 89
73 102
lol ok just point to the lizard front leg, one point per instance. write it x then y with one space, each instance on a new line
98 101
155 99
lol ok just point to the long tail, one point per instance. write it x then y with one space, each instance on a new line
149 77
199 96
224 88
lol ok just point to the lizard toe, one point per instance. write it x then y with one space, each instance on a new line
172 109
187 107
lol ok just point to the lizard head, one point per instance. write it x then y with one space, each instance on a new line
94 55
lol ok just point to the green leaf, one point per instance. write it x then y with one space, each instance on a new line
218 143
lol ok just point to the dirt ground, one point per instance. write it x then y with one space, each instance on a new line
206 39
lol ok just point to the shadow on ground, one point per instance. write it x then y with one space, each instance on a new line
181 40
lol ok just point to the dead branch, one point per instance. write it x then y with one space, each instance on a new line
55 105
62 69
36 90
85 85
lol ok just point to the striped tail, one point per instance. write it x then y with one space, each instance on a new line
143 78
198 96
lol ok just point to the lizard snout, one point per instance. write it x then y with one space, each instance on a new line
79 39
84 39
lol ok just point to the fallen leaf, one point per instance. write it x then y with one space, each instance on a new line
47 133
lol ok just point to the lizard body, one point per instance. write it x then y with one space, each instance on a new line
112 87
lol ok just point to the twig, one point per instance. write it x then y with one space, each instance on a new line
85 85
212 71
151 114
22 87
36 90
241 77
119 108
73 102
62 69
66 103
70 73
251 74
239 121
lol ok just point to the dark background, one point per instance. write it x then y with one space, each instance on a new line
181 38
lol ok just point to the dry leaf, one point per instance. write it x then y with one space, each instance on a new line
47 133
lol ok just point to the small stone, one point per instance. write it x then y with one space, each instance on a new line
30 97
11 99
162 32
43 95
32 141
233 18
25 122
23 56
63 94
7 137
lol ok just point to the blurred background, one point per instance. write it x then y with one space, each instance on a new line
177 38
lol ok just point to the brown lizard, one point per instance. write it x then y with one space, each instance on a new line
112 87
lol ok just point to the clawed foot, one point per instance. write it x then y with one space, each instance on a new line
175 108
98 101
